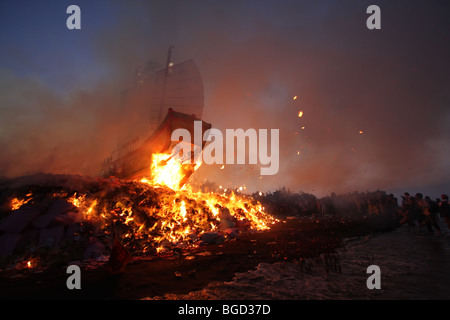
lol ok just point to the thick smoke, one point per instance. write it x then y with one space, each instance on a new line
41 131
391 84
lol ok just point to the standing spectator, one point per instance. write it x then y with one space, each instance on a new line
407 210
431 212
419 209
424 211
444 209
438 203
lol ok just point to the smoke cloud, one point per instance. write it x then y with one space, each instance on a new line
375 103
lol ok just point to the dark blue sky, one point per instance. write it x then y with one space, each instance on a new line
59 86
36 42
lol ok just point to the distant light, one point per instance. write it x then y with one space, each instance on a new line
298 152
295 98
361 132
300 114
303 128
260 193
223 166
170 64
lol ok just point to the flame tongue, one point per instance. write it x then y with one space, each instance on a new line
16 203
170 171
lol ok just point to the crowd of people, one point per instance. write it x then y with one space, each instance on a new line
353 205
359 204
420 210
414 210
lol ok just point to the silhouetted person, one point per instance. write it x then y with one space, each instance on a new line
444 209
424 213
407 210
431 211
419 209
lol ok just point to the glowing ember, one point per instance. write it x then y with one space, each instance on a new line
86 206
300 114
16 203
152 213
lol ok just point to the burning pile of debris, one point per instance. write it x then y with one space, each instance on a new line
49 220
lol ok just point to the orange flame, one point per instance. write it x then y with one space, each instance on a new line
175 215
169 171
16 203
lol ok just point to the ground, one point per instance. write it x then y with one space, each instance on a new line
188 270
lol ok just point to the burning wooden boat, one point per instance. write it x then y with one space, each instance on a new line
176 87
136 164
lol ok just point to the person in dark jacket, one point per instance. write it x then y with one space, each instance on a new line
431 211
407 210
444 209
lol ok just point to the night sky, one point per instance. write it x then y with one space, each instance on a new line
375 102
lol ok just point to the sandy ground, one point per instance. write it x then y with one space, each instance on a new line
190 270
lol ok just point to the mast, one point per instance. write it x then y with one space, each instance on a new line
166 74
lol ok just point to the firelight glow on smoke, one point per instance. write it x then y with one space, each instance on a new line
61 88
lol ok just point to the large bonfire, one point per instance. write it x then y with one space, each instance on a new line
147 216
164 211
